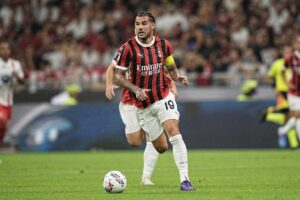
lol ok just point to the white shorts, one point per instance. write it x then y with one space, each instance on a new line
152 117
129 117
294 102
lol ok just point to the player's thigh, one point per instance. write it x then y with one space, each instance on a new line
168 114
5 113
150 123
128 115
294 105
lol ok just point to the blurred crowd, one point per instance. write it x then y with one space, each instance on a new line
216 42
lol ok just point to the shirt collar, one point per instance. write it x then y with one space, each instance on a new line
145 45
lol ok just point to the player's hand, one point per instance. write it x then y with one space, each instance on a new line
14 74
184 80
110 91
141 94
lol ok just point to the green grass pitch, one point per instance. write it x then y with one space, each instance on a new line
216 174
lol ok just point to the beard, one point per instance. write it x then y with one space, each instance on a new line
144 35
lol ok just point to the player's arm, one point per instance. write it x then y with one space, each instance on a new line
20 80
109 79
271 74
173 85
174 89
19 74
283 73
121 80
173 71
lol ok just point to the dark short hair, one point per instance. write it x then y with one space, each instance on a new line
142 13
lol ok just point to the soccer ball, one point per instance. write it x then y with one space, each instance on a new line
114 182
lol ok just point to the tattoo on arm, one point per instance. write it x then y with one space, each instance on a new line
172 69
123 82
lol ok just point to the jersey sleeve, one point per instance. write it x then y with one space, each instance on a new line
168 49
272 70
18 69
123 58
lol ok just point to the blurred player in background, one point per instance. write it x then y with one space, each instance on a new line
10 69
144 57
279 113
69 97
293 63
248 90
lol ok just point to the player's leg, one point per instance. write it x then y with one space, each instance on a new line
150 159
3 124
135 139
134 133
296 113
179 152
153 128
294 106
135 136
169 116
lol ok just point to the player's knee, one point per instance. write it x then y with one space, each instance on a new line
134 143
171 127
162 148
172 130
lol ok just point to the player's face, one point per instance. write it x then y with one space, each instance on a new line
5 50
297 43
287 52
143 27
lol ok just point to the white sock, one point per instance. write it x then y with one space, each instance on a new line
150 159
180 156
289 125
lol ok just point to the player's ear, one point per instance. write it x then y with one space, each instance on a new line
153 26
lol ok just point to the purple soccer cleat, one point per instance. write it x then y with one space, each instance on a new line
186 186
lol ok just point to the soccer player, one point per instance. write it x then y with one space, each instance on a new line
279 113
10 69
133 129
293 63
69 97
144 57
248 90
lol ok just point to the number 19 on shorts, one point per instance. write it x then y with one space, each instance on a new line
169 105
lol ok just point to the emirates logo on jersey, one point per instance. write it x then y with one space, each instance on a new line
149 70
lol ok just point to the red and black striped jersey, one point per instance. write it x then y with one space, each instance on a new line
145 66
294 64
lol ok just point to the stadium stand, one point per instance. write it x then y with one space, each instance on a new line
217 42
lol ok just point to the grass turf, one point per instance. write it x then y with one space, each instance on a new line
216 174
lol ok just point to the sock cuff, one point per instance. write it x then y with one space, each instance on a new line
175 138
